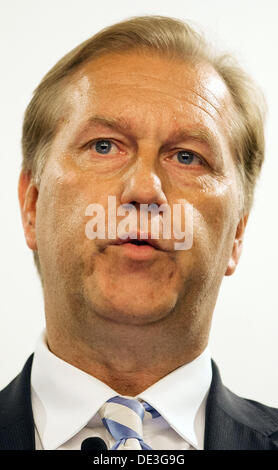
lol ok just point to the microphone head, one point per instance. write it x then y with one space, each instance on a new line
93 443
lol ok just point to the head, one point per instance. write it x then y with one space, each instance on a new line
149 88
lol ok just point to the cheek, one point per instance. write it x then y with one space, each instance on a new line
216 200
59 203
215 210
60 218
215 222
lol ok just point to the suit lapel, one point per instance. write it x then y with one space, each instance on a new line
234 423
16 417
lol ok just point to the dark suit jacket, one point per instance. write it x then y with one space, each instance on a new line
232 423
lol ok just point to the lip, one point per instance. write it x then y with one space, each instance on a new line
141 238
138 252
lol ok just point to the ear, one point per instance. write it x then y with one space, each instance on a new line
237 246
28 195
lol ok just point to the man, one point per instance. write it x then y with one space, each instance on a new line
144 113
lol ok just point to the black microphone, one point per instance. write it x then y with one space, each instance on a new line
93 443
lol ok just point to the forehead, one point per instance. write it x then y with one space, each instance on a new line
166 91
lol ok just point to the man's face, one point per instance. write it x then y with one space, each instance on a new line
132 119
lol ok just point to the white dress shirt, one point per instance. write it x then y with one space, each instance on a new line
66 400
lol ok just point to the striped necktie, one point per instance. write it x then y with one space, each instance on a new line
123 418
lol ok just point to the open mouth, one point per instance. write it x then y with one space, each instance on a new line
138 242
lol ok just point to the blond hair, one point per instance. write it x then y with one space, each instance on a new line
169 37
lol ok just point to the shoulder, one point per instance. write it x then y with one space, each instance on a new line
252 412
17 388
240 421
16 417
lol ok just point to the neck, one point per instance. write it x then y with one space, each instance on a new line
127 357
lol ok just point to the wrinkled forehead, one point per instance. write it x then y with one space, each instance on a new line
152 74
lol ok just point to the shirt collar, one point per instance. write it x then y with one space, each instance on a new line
180 395
65 399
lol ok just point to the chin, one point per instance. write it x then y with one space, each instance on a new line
125 299
132 311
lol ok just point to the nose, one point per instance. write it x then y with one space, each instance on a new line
143 185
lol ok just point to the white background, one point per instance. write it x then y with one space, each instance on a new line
34 35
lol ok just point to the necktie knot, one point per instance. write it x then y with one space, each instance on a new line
123 418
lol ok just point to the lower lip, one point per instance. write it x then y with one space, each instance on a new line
137 252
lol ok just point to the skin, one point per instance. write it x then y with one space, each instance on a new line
106 313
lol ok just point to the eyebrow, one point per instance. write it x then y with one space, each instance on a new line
118 123
200 135
122 125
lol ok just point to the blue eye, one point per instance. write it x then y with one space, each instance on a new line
103 146
186 157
